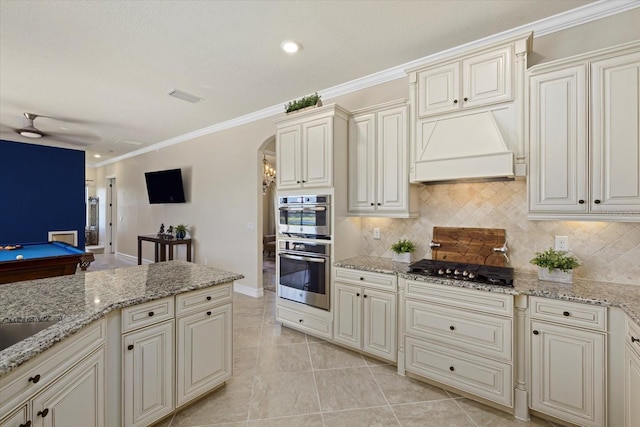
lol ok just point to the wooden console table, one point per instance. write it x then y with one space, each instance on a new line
161 247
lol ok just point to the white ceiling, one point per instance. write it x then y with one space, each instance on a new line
99 71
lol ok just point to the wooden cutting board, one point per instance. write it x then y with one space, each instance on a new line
470 245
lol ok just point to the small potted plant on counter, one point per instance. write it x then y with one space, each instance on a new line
402 250
181 231
555 266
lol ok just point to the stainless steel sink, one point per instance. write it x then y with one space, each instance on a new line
11 333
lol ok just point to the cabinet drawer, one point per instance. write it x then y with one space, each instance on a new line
15 388
478 333
368 278
147 314
632 337
569 313
488 302
195 300
306 322
477 375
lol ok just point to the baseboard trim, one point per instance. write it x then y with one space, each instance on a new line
246 290
131 258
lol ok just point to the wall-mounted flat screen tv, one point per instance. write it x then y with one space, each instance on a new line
165 186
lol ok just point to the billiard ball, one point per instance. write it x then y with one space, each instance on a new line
19 257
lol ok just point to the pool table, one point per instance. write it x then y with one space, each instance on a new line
41 260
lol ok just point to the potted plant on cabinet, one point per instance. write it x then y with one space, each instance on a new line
181 231
402 250
302 103
555 266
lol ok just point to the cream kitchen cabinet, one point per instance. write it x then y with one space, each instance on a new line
365 312
63 386
148 362
632 375
379 162
568 361
584 138
204 357
304 147
460 337
475 80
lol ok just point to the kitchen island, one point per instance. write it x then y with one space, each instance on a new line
161 330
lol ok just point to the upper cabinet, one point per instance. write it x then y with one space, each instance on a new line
304 147
379 162
584 138
467 116
471 82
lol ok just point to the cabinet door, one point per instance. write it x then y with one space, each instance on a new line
204 352
487 78
18 418
76 399
317 153
289 157
631 388
392 171
558 134
148 374
362 163
568 373
379 327
348 315
439 89
615 91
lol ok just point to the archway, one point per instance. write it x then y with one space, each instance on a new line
266 221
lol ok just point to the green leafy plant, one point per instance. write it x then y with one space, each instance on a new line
303 102
403 245
555 260
182 228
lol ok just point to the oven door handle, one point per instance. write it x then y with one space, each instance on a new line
304 258
309 209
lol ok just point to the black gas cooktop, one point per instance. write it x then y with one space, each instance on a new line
490 275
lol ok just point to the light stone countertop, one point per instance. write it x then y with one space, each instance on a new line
626 297
77 300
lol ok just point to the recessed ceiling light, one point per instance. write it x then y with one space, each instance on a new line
97 156
290 46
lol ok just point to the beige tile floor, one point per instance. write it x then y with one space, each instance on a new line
286 378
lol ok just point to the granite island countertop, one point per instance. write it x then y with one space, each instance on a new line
77 300
625 297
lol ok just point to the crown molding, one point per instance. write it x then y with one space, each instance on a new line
562 21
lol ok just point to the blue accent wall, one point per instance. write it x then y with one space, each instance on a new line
42 189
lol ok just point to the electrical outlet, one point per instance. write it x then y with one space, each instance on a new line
562 243
376 233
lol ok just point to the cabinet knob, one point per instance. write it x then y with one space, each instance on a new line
379 204
151 313
535 332
208 298
453 328
455 101
362 278
301 320
465 99
634 339
44 412
130 347
27 424
297 182
359 295
364 295
451 368
581 201
566 313
372 204
208 313
304 181
35 379
597 202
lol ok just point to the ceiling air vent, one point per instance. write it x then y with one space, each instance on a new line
128 142
184 96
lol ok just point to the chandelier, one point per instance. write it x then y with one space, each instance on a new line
268 175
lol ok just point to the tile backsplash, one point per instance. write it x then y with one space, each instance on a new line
608 251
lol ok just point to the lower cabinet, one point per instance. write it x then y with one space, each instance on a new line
568 364
632 375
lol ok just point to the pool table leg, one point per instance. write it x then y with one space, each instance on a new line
85 260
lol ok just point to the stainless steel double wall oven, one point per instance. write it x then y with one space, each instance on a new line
305 265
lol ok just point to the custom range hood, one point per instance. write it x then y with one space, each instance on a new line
461 148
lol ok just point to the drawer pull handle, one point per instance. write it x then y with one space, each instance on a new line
301 320
44 412
634 339
151 313
535 332
362 278
208 313
566 313
27 424
209 298
597 202
130 347
453 328
34 379
581 201
451 368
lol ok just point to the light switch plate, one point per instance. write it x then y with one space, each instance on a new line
376 233
562 243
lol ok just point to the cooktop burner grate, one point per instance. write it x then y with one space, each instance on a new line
490 275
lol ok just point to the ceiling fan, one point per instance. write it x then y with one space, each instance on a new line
29 130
